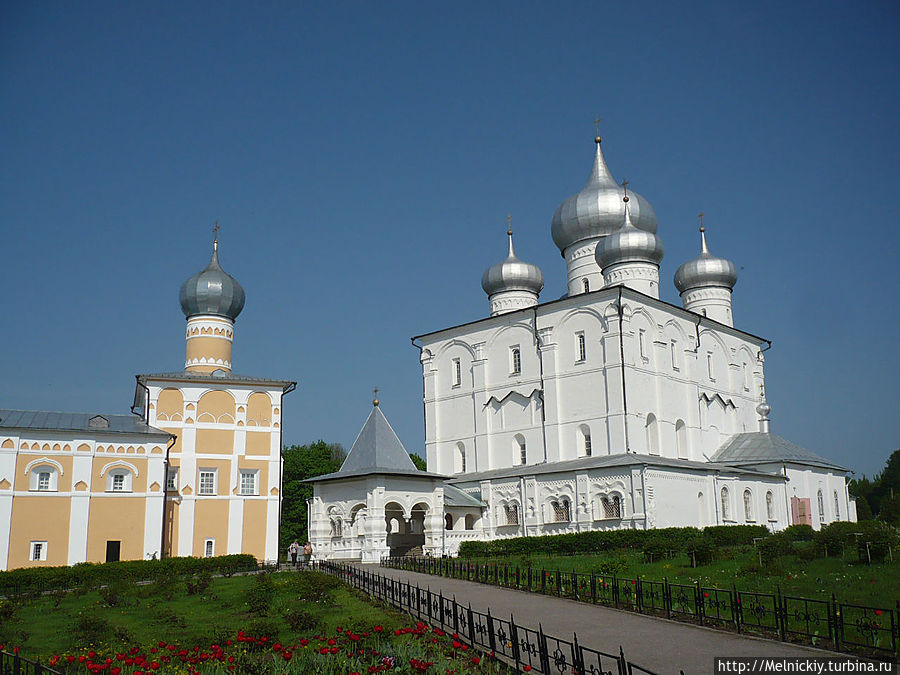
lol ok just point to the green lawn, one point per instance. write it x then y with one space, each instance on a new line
849 581
291 609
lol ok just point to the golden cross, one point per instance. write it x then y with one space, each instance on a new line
375 400
216 230
625 187
700 216
597 124
508 223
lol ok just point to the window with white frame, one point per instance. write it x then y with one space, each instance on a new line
172 479
523 452
673 351
748 505
207 482
612 507
209 548
587 444
560 510
581 347
837 507
745 376
38 550
44 478
642 342
821 503
770 505
512 514
515 361
118 480
248 481
457 373
709 366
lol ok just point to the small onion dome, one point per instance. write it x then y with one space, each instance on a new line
705 270
598 210
212 291
512 275
629 244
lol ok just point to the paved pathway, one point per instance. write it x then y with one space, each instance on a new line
657 644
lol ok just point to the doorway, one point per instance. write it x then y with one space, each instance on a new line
113 548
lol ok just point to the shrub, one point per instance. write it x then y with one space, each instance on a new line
700 550
260 594
199 583
90 627
262 627
735 535
772 548
612 565
798 533
658 550
114 594
299 619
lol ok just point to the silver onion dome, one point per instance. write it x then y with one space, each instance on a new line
705 270
598 209
629 244
212 291
512 275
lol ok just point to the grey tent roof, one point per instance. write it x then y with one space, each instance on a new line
215 376
608 461
760 448
453 496
88 422
376 450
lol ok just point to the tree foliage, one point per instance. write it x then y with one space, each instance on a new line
880 495
302 462
420 463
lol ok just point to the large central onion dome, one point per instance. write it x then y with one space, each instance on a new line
212 292
706 270
512 275
629 244
598 210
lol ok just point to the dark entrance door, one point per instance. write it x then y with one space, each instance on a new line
112 550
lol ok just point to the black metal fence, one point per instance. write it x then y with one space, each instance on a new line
524 649
13 664
821 623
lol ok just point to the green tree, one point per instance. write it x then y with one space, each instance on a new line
420 463
863 511
302 462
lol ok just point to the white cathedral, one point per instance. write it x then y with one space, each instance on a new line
608 408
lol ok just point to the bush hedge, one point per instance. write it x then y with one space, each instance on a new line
94 575
669 539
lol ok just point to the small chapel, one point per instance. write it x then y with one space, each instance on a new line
607 408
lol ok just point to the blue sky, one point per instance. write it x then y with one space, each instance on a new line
362 158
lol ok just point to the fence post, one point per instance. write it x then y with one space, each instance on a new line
667 597
441 600
698 601
577 659
514 638
593 588
471 622
615 590
623 663
835 614
575 584
558 584
639 595
492 639
542 650
428 600
455 616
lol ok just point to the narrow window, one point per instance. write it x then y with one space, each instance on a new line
43 480
560 511
463 461
681 439
38 550
248 482
617 506
582 347
673 349
586 285
709 366
607 508
770 506
642 341
512 514
837 507
748 505
523 454
207 482
821 503
726 515
457 373
172 479
745 376
209 548
516 361
587 445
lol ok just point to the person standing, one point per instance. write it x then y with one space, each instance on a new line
293 550
307 553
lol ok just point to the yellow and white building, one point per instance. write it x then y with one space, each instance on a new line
195 471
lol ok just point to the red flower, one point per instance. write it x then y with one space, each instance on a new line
277 647
705 594
377 629
323 650
115 671
333 650
877 612
475 660
526 668
304 642
286 655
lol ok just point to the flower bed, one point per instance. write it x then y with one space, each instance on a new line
412 649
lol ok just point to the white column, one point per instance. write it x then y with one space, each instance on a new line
5 524
235 524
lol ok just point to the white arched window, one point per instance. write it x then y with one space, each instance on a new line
522 450
821 503
612 507
459 459
43 478
448 522
470 522
118 480
586 285
837 506
584 431
581 347
652 435
681 439
512 514
560 510
770 505
337 527
748 505
726 512
516 361
701 510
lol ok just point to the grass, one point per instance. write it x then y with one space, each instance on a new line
877 584
116 619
